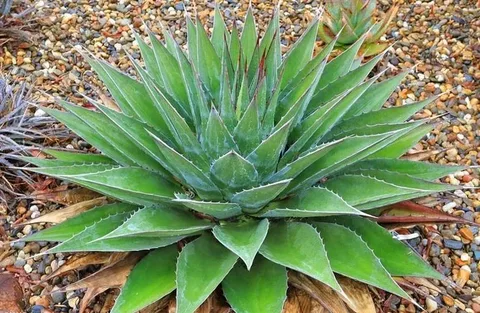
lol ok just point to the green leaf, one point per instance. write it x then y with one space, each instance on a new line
249 36
396 257
346 82
122 183
139 134
385 116
233 172
402 145
252 200
375 96
340 65
314 201
293 104
76 157
53 162
234 48
198 105
220 32
160 221
299 247
216 139
247 132
83 130
299 54
337 111
347 152
192 40
172 77
148 57
265 157
406 181
201 267
421 170
261 289
243 238
87 240
184 169
220 210
293 169
357 189
183 136
77 224
208 64
130 95
158 269
355 259
226 107
104 127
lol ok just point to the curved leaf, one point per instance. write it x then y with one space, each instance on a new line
150 280
160 221
201 267
243 239
261 289
398 259
300 247
355 259
312 202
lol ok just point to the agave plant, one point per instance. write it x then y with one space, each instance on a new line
351 20
232 163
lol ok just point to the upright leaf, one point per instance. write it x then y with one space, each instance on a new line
233 172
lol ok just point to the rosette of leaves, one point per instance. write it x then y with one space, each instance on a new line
352 19
257 163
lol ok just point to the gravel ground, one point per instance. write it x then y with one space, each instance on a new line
440 37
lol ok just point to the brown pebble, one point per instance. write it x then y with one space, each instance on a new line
448 300
466 178
466 233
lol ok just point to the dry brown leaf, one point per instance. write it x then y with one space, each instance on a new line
79 261
11 294
298 301
90 294
423 282
359 297
113 276
420 156
69 196
61 215
107 101
325 295
109 303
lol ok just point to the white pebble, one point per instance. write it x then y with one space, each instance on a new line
449 207
27 229
35 214
118 46
34 208
28 268
432 305
465 257
477 240
39 113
